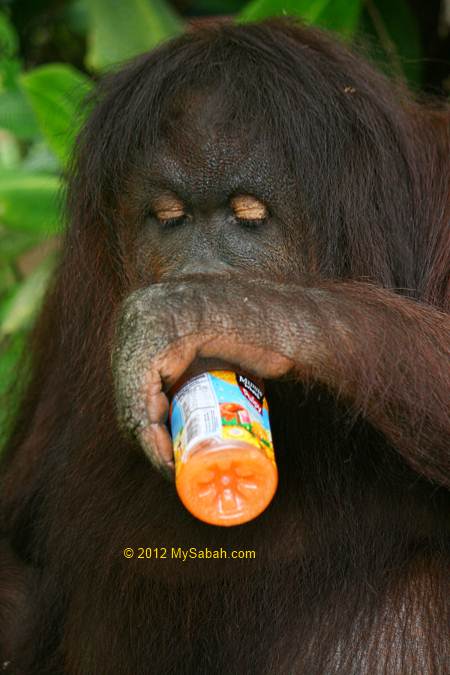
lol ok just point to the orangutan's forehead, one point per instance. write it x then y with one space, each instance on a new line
200 151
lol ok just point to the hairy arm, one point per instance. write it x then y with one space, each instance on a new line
386 355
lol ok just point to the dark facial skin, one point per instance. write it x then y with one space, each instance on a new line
215 206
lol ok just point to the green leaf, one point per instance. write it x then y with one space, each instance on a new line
56 93
75 15
120 30
341 16
7 276
396 30
338 15
9 42
20 307
29 201
14 242
10 69
10 156
309 10
17 116
10 351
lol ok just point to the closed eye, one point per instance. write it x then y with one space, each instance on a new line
172 222
169 210
248 211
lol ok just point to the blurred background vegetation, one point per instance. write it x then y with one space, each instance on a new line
51 53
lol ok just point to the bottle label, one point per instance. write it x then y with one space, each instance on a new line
221 405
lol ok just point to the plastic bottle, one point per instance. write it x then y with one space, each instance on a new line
225 468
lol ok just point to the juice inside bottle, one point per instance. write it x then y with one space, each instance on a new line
224 460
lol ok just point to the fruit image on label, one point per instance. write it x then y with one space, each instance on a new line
224 459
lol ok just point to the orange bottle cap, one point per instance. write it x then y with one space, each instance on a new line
227 486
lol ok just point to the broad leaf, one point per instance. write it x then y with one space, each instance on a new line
7 275
397 33
20 307
29 201
338 15
120 30
10 156
56 93
341 16
16 115
15 242
309 10
9 42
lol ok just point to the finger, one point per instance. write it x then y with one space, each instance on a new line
258 360
157 444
